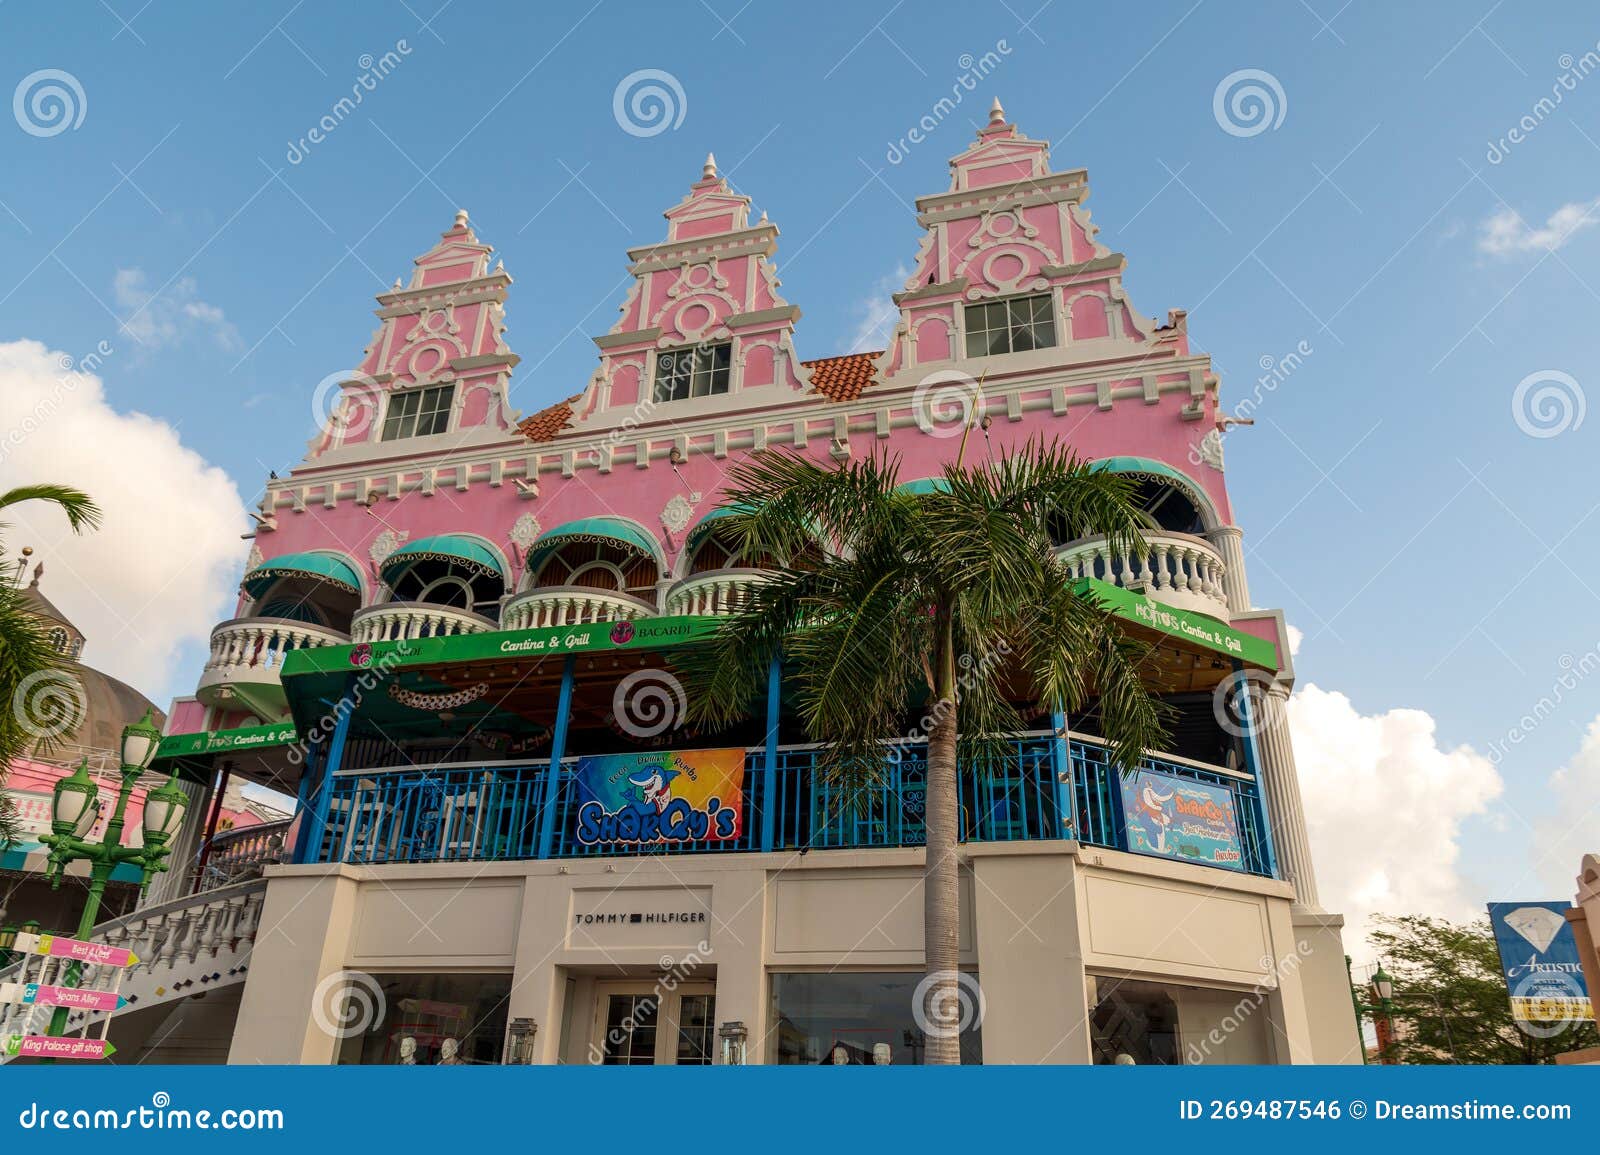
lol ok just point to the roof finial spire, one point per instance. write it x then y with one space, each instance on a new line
461 218
997 115
710 170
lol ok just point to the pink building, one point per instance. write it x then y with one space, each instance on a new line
496 575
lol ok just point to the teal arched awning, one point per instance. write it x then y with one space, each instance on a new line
320 567
709 522
1152 468
460 551
601 530
924 485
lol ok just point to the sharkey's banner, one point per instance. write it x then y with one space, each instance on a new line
663 796
1176 818
1539 957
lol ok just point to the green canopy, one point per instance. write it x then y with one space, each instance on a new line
924 485
605 530
707 523
321 567
1153 468
444 547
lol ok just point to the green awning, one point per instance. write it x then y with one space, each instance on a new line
707 523
604 530
1198 629
448 547
1146 465
267 755
924 485
220 741
321 567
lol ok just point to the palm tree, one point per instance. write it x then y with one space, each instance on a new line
25 649
945 598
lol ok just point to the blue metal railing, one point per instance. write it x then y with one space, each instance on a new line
484 813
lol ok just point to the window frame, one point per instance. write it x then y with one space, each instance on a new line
422 393
1041 321
708 372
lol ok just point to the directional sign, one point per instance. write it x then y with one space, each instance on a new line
48 1047
43 995
54 946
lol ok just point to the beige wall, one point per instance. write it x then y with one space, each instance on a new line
1035 918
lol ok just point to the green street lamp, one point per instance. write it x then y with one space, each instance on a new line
75 808
1381 1009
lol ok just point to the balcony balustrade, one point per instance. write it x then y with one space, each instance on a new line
1177 569
552 606
722 591
492 812
247 659
406 621
241 854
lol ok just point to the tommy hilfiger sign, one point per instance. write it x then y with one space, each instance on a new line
645 917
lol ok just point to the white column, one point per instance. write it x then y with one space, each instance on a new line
1226 540
1281 783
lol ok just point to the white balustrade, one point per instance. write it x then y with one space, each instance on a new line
407 621
189 946
1180 570
721 591
251 651
554 606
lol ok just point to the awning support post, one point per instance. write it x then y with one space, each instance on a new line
558 749
1253 764
769 767
1061 759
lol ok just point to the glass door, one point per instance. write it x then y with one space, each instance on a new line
641 1025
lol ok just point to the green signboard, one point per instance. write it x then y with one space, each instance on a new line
1191 627
223 741
644 634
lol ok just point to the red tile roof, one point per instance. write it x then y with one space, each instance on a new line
836 378
546 423
842 378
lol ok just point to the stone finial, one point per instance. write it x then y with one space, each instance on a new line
461 218
709 172
997 115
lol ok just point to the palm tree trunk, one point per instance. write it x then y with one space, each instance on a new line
940 997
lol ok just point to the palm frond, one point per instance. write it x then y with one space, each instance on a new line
81 510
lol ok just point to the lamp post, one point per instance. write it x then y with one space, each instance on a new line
75 808
1381 1008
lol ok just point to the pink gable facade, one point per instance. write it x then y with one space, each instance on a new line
1112 384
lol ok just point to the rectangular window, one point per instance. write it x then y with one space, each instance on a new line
697 371
856 1019
418 412
1010 326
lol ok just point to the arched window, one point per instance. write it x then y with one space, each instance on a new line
58 639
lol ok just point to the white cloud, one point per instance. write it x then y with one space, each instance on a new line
877 314
1573 830
1384 805
161 570
157 320
1505 233
1296 636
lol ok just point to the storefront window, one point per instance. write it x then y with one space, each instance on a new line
851 1018
426 1019
1138 1022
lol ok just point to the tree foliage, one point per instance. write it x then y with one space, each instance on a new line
1450 999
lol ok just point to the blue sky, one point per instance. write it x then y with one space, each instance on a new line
1435 554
